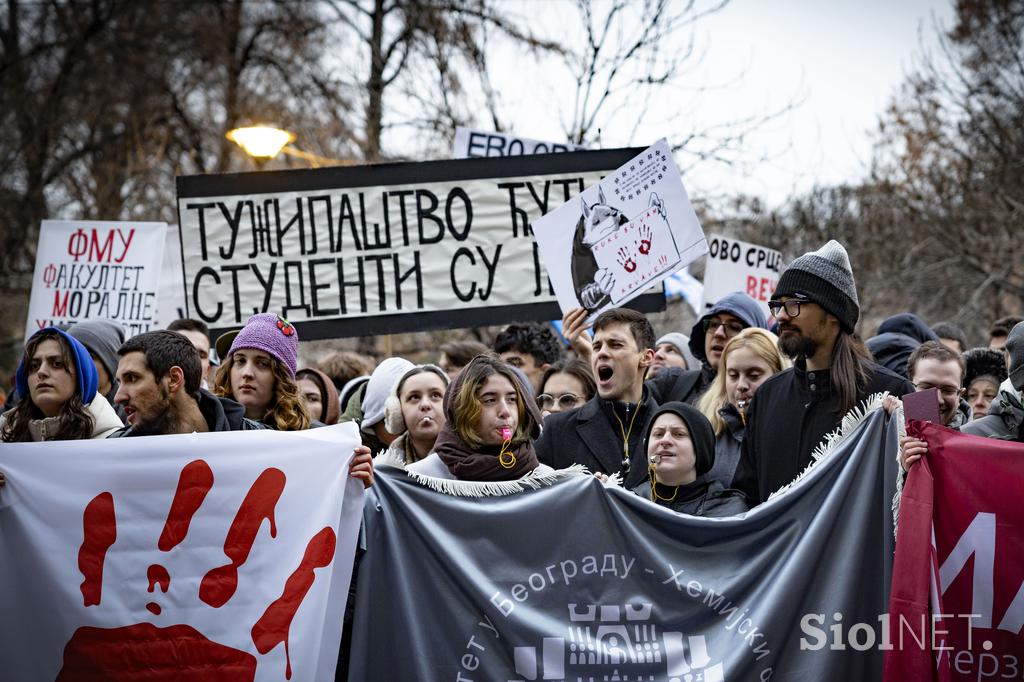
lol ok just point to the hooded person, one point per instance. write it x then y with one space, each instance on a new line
907 324
378 388
320 396
729 316
897 338
680 446
892 350
486 444
1005 418
58 381
101 338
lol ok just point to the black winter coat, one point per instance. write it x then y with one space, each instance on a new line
591 436
788 417
683 385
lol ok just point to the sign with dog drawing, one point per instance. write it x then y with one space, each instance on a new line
610 243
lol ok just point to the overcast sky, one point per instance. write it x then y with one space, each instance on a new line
843 60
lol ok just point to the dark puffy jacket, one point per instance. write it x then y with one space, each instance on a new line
892 350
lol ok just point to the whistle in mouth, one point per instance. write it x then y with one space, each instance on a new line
506 433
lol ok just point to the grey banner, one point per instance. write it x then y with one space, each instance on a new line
583 583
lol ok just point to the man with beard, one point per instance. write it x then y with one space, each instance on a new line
160 375
605 433
816 306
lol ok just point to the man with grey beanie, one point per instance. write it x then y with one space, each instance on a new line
1005 419
816 307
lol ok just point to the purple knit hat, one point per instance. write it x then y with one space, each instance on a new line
271 334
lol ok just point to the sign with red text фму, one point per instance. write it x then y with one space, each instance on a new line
95 269
734 265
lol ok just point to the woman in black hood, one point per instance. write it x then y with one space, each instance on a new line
680 445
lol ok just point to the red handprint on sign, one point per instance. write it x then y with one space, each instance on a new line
143 651
625 259
644 245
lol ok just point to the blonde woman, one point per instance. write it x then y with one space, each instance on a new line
748 359
259 372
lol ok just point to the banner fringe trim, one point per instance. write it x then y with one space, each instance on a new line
831 442
532 480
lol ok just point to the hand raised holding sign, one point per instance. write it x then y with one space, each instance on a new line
574 329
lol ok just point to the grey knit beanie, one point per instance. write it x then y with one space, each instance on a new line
682 344
825 277
1015 349
102 338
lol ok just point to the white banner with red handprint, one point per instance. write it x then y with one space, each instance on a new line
220 556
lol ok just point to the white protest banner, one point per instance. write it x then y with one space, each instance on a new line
94 269
170 299
617 238
734 265
479 144
214 556
351 251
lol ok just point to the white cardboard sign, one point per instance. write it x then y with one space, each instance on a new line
479 144
94 269
735 265
616 239
170 304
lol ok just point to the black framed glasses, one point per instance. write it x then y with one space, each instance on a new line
791 306
566 401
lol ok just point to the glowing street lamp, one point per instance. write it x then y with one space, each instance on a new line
261 142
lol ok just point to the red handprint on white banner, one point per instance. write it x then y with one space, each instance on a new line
144 651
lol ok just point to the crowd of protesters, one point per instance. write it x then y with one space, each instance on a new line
707 423
716 419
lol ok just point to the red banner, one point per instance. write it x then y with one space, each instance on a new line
956 611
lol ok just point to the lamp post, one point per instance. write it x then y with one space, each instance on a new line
264 143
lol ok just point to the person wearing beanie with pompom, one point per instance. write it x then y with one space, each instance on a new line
816 307
258 371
